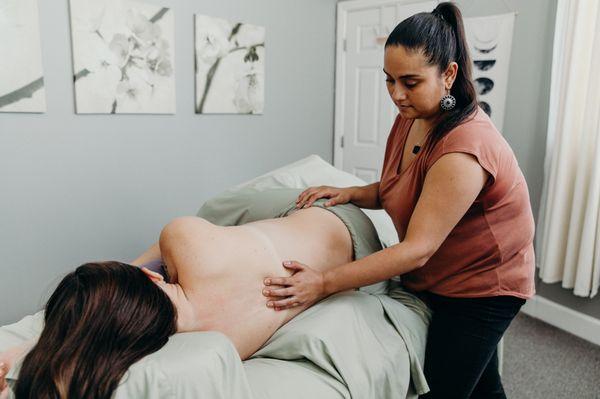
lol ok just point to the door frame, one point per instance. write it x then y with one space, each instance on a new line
343 7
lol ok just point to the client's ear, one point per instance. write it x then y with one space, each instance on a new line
156 277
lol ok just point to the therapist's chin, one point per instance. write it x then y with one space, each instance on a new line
406 110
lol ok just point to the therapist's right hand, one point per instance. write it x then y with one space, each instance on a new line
336 196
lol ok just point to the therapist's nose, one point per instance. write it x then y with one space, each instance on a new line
398 93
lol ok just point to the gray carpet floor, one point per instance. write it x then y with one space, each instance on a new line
541 361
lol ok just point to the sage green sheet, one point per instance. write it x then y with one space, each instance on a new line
409 319
355 344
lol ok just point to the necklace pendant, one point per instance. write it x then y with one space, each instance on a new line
416 149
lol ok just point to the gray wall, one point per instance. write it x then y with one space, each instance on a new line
79 188
75 188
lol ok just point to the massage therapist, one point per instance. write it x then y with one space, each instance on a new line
459 202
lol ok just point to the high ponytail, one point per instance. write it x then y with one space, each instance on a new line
440 35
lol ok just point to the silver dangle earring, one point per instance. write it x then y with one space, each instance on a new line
448 102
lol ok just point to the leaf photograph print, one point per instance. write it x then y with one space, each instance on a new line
123 57
230 67
21 72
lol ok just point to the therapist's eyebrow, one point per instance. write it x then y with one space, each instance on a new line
410 76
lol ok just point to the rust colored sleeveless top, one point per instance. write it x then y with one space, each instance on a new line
490 250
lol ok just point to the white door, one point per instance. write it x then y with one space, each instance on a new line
364 113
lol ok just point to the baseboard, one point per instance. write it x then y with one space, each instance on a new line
562 317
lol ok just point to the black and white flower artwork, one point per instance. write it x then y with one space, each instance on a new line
230 67
21 71
123 57
490 41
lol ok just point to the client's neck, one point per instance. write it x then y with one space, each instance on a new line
187 319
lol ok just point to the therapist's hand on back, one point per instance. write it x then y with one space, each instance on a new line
336 196
304 288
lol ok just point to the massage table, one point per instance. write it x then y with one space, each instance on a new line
366 343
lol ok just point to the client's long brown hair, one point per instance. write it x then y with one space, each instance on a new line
102 318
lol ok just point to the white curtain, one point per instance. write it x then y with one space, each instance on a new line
568 231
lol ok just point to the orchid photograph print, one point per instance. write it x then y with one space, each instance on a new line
122 57
230 67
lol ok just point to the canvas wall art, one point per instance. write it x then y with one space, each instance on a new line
21 72
123 57
490 43
230 67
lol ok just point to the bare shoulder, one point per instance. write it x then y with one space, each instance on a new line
190 247
182 235
458 167
185 225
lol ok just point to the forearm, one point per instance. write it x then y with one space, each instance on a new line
151 254
379 266
366 196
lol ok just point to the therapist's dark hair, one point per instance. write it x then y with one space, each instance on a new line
102 318
440 35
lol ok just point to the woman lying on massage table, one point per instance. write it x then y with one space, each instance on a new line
105 316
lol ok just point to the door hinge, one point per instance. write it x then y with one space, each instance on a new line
342 141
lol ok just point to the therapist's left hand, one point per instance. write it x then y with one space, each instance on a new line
304 288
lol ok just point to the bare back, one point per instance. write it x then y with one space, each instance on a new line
221 269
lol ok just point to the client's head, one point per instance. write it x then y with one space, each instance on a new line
102 318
